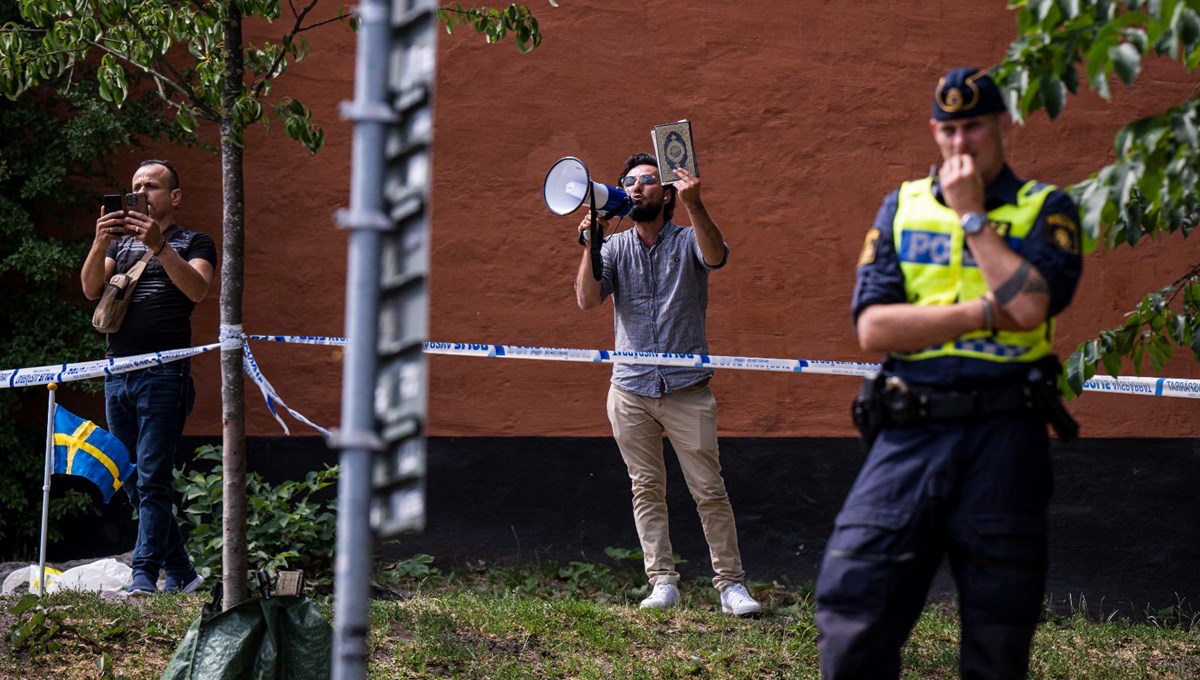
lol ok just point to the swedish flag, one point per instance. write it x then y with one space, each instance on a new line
85 450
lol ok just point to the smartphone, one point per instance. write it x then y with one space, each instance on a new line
112 203
139 203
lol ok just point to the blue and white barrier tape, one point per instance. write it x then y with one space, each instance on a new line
27 377
231 336
598 356
270 395
301 339
1155 387
60 373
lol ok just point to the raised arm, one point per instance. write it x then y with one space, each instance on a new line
98 268
708 235
1020 292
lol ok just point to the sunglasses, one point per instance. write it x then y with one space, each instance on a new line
646 180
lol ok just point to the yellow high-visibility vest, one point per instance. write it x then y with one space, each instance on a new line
939 270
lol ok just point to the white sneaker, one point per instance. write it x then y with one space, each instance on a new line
664 596
737 601
192 586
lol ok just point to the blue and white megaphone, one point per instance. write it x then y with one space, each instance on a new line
568 186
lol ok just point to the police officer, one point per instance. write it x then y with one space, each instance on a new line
958 282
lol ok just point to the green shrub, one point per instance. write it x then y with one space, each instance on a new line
418 566
286 527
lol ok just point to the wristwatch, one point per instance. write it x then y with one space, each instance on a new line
973 223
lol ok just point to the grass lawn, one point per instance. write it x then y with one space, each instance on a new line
578 621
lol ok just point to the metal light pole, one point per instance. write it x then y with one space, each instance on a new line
382 438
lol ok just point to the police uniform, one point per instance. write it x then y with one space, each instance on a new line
959 462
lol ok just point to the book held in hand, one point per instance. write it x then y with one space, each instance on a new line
674 148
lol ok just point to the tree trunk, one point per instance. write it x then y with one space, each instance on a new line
233 402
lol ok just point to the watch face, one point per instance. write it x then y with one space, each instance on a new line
972 223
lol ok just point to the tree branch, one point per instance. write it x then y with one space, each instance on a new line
297 27
1179 283
320 23
161 80
187 88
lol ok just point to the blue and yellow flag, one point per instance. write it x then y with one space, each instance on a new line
84 450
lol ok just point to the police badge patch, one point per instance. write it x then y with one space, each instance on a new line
869 247
1063 232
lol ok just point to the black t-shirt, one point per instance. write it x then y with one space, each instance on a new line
159 317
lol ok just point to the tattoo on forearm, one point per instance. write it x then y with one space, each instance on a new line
1015 283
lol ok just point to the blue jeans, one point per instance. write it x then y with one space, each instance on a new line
146 410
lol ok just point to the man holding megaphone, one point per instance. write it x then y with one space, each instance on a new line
657 275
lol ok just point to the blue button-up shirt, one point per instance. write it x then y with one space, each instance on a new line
660 300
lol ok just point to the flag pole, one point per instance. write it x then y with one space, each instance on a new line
46 488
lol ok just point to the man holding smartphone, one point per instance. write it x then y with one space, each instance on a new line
146 409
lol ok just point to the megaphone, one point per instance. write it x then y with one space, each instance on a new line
568 186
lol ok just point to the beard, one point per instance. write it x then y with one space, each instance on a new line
646 211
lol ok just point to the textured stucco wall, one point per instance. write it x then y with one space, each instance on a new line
805 114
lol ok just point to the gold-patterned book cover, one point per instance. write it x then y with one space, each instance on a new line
674 148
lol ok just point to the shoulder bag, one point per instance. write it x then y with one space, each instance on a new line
118 292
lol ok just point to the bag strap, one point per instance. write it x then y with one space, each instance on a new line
138 267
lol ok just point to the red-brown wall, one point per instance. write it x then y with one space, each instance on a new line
805 115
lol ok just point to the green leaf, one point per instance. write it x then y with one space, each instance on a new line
1040 8
1185 129
1178 329
1137 38
1188 27
1127 62
1069 8
1070 78
1112 363
1076 368
186 119
1159 350
1098 54
1053 93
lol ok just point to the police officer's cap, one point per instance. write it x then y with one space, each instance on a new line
966 93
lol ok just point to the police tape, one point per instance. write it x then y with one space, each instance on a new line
598 356
42 375
60 373
1156 387
270 395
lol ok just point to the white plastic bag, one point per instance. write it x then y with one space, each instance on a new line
17 579
107 575
27 577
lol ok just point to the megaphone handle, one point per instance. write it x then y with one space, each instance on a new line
584 236
597 230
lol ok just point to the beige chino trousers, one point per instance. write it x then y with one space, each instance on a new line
688 417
